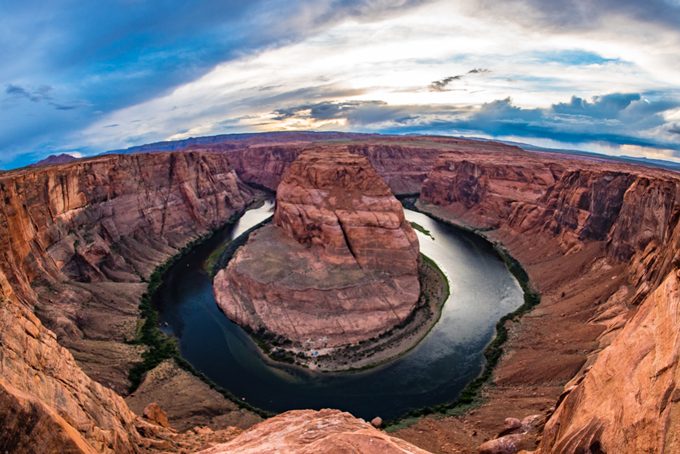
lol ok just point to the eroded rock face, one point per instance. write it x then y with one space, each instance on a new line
335 202
338 265
613 232
76 241
307 431
45 398
403 167
631 211
629 400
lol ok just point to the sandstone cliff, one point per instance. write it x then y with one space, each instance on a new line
403 168
338 266
598 238
629 399
311 432
76 242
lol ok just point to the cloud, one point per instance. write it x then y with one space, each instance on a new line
230 66
101 57
618 119
607 106
356 113
580 14
40 94
442 84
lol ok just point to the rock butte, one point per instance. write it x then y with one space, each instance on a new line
338 266
597 359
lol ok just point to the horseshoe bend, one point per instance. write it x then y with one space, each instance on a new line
593 367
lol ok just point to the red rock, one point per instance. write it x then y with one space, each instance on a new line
339 264
154 413
511 424
76 240
312 432
377 422
629 400
508 444
403 167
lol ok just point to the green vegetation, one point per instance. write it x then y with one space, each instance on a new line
210 264
160 346
469 396
433 265
421 229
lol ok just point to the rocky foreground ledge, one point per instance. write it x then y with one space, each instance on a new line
311 432
338 266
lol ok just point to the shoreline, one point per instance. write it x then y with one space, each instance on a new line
469 396
372 353
160 347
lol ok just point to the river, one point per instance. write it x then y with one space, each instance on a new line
435 371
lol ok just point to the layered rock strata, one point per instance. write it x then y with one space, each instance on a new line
403 168
599 240
402 161
629 399
339 264
76 243
79 240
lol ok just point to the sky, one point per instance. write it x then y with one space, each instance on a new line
86 77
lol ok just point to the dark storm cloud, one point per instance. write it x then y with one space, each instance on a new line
443 84
616 118
607 106
357 113
440 85
41 94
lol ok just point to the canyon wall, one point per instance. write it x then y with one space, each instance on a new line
631 212
600 240
629 400
404 168
77 242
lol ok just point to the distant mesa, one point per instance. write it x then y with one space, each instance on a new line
55 159
339 264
